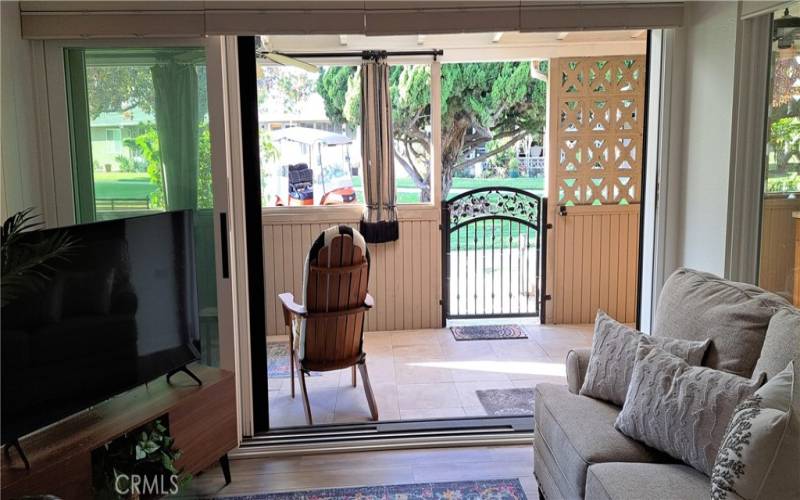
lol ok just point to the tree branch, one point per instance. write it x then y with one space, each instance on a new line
494 152
412 172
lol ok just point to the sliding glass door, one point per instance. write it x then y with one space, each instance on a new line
140 143
779 267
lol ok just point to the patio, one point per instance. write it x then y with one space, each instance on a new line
427 374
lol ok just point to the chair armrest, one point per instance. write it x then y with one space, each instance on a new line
290 307
369 301
577 362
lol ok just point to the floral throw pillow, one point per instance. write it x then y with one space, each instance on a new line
760 454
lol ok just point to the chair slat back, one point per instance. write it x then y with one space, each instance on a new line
335 294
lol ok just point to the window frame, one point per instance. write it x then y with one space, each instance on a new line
81 142
352 212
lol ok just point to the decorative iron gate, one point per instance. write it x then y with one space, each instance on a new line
494 243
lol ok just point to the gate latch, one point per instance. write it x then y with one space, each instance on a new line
562 210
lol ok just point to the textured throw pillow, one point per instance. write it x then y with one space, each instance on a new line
679 409
614 353
760 455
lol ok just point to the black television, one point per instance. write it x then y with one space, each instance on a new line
119 309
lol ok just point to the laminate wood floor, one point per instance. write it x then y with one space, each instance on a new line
373 468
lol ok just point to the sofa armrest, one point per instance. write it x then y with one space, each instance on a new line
577 361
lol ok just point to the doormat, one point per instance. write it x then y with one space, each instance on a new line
493 489
488 332
507 402
278 361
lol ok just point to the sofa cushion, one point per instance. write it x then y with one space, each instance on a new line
614 353
579 431
781 344
647 482
696 306
679 409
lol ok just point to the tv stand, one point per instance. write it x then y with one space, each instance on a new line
58 459
185 370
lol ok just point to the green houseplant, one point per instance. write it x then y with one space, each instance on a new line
27 266
139 464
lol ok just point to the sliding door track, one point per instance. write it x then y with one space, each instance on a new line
483 431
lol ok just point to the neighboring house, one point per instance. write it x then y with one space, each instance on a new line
109 130
275 114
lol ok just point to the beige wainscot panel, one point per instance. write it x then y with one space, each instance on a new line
405 275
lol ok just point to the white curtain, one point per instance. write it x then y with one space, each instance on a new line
379 223
177 121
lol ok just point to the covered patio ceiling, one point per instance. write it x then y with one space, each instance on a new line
474 47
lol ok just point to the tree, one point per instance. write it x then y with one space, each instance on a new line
290 86
119 89
486 109
783 139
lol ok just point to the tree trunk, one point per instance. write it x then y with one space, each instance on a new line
452 144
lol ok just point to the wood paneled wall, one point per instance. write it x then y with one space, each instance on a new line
20 182
596 117
596 261
405 276
776 268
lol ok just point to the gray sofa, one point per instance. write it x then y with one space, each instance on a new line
577 451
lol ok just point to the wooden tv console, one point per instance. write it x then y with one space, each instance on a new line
202 419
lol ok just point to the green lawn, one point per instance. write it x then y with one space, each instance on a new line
461 184
122 185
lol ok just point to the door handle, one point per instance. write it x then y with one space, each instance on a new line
223 250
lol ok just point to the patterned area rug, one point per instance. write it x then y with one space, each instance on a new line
507 402
278 361
499 489
488 332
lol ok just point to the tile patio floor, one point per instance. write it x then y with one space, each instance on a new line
422 374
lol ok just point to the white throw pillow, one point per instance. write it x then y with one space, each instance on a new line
760 455
679 409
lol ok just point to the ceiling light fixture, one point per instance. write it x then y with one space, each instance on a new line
784 30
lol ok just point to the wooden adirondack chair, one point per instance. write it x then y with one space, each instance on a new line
327 331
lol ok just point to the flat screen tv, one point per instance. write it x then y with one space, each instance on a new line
119 309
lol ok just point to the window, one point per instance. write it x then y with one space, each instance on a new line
114 104
310 141
140 142
493 118
410 89
310 134
780 214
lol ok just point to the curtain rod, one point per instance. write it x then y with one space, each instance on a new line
364 54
